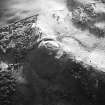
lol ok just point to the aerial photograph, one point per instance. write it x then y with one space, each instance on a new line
52 52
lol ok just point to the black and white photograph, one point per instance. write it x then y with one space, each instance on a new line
52 52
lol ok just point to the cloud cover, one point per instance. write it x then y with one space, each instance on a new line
12 10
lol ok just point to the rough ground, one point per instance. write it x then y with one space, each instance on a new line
55 57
